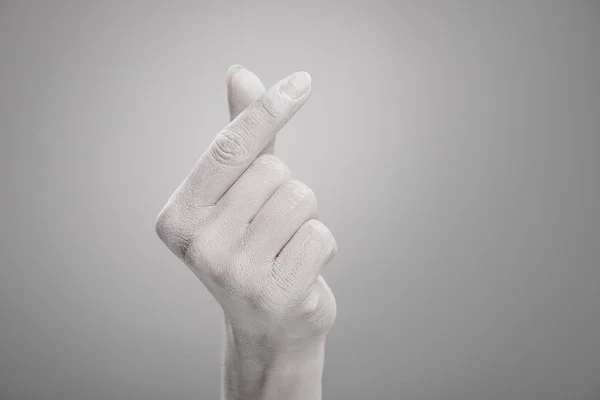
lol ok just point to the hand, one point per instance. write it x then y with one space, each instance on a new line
247 229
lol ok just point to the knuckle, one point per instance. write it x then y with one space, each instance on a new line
272 294
219 261
178 225
229 148
318 228
162 223
323 235
326 317
299 192
272 165
169 230
331 248
320 307
201 251
334 246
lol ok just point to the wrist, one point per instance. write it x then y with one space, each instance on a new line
263 366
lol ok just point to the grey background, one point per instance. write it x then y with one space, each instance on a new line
454 148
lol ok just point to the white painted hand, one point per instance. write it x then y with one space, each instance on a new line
246 228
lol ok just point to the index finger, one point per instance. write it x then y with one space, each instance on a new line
242 140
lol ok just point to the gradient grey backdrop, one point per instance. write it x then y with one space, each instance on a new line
454 148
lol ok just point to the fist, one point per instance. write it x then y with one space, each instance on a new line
249 230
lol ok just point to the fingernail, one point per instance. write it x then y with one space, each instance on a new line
233 70
297 85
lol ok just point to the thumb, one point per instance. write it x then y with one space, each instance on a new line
244 87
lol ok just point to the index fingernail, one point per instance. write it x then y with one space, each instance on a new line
297 85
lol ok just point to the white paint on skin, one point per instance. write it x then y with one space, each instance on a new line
248 230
